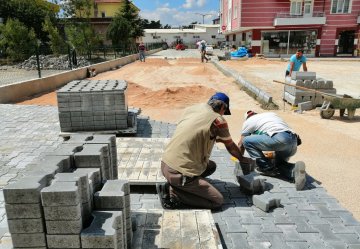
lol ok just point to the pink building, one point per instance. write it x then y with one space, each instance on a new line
280 27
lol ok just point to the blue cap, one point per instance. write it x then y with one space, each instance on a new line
224 98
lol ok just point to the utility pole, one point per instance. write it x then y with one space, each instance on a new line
203 15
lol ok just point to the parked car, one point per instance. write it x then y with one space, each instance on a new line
209 50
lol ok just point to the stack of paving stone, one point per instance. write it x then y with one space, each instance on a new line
57 205
94 105
294 95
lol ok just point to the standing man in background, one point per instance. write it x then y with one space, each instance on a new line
142 52
203 51
295 63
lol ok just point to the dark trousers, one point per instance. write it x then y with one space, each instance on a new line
203 56
196 191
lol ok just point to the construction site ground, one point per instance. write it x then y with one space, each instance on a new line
171 80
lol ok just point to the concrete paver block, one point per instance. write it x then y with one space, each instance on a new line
81 181
305 106
22 211
62 212
27 240
26 225
112 195
105 231
297 75
64 226
252 182
94 177
60 193
63 241
266 201
26 190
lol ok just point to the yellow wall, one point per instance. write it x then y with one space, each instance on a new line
110 9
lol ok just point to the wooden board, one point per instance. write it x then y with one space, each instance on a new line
139 159
175 229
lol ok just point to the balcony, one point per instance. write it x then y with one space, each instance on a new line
285 19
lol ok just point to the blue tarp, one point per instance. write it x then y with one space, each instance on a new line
241 52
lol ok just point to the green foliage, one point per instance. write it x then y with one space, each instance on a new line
126 20
19 41
57 43
77 8
119 31
82 37
31 13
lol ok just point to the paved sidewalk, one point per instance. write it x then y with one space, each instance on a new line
307 219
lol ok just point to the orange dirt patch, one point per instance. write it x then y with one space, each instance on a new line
45 99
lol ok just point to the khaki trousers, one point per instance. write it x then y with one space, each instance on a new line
193 191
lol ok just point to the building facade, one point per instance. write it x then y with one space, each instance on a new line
208 32
279 27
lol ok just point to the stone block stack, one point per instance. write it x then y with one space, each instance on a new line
71 198
294 95
94 105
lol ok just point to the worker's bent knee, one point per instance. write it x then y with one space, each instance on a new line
218 202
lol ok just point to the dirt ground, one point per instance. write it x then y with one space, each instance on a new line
330 149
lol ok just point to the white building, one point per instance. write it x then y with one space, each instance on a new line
208 32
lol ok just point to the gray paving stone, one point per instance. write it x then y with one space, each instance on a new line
113 195
18 226
62 212
60 193
63 241
266 201
21 211
35 240
64 226
105 231
26 190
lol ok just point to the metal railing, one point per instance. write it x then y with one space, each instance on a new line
289 15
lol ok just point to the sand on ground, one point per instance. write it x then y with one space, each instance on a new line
163 88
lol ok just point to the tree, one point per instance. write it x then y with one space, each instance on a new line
31 13
79 32
167 26
119 31
19 41
57 43
125 20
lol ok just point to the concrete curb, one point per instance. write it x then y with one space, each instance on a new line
262 95
14 92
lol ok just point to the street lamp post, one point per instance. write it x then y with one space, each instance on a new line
203 15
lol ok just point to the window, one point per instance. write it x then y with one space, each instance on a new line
103 14
308 7
196 37
213 36
340 6
235 12
177 37
234 37
156 37
295 7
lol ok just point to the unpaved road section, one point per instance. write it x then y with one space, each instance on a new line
163 88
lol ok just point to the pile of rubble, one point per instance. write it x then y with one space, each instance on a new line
51 62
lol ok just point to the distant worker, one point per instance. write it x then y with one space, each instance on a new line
185 162
295 63
203 51
268 132
142 52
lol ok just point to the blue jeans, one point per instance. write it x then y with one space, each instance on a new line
142 55
283 143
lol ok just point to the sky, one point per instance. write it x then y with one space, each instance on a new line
178 12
